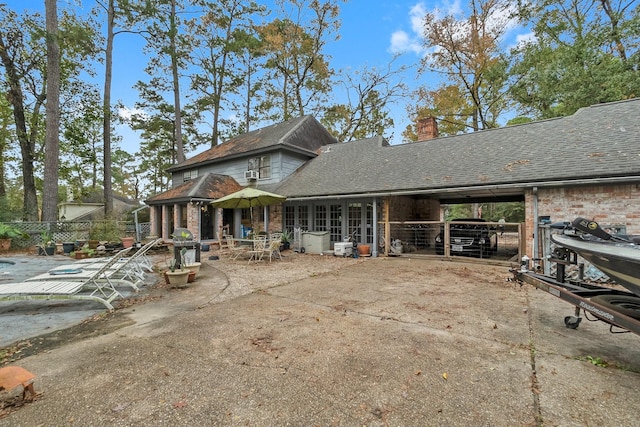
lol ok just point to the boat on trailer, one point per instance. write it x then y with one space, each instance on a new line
618 259
617 256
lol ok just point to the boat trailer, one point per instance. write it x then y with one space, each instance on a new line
581 294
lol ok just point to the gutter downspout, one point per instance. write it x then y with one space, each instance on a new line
535 223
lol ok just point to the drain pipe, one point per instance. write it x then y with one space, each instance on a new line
535 223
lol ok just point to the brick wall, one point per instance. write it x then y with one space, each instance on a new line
606 204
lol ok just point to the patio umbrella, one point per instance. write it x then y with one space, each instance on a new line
248 198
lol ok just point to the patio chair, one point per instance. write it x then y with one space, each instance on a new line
273 249
259 246
98 286
222 242
102 292
235 250
115 271
140 261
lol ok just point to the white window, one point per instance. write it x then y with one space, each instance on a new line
189 175
262 165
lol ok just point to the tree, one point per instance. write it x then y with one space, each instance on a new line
169 49
23 59
106 109
365 113
156 141
128 14
81 160
294 47
220 37
584 52
52 149
448 103
14 48
466 52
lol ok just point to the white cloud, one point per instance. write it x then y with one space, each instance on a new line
403 41
127 113
416 16
526 38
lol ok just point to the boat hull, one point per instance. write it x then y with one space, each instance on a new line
619 261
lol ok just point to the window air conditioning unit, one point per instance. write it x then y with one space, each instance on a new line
251 175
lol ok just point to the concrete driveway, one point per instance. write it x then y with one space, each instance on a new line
375 342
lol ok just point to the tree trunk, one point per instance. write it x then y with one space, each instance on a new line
176 85
16 98
106 125
52 146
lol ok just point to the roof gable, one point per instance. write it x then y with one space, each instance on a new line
208 186
304 134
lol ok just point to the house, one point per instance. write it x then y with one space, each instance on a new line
91 207
587 164
262 158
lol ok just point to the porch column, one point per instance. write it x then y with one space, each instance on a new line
177 217
374 248
193 219
164 230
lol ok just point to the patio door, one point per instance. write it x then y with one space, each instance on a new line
206 222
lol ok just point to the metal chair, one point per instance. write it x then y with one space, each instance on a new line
259 246
273 248
235 250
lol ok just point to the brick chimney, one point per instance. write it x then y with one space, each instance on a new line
427 128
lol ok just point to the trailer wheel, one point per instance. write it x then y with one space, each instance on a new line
572 322
627 305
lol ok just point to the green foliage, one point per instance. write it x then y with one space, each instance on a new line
492 212
286 236
293 45
580 56
8 231
466 50
107 230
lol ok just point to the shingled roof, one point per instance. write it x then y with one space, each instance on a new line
207 186
597 142
303 134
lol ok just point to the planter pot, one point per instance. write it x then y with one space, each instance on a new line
48 250
192 277
364 250
5 244
195 267
81 255
93 244
127 242
68 247
178 278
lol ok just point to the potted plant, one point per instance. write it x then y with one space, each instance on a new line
192 266
177 277
286 240
8 233
83 253
127 242
48 245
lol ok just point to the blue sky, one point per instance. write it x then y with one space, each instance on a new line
372 32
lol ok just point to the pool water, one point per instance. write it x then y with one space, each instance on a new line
6 263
